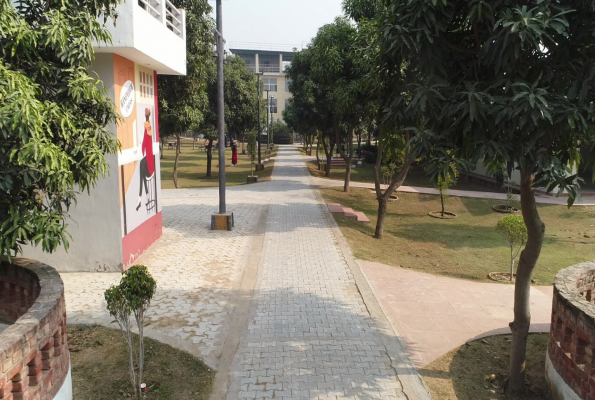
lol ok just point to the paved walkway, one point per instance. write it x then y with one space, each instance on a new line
197 272
436 314
310 334
284 313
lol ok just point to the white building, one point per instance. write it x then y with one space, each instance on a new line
122 217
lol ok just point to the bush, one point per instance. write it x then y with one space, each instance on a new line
132 297
370 153
514 230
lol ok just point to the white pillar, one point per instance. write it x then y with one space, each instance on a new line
257 66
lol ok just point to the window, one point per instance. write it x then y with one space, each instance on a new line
270 84
287 83
286 103
273 108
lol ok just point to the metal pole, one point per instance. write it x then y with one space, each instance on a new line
259 127
271 127
220 109
268 110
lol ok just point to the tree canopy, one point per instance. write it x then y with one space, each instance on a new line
504 83
183 99
53 116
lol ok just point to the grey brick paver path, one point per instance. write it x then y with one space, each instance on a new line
310 335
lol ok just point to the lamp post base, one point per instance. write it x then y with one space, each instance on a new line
222 222
259 167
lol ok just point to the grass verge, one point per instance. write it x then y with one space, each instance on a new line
465 247
478 369
192 168
99 358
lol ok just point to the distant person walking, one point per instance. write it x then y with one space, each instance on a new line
234 153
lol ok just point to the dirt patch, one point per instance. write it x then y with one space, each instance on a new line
478 370
99 358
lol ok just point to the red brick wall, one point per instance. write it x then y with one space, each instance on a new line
33 350
572 334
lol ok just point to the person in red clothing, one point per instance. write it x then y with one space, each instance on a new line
234 153
147 163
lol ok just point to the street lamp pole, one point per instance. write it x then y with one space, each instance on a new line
220 109
271 127
268 110
223 220
258 74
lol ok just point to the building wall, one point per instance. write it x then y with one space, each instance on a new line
94 223
122 217
139 183
282 94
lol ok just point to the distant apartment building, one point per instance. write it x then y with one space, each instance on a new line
272 64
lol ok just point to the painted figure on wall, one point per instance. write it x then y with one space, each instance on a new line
147 163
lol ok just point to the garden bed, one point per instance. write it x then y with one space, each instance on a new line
478 370
99 359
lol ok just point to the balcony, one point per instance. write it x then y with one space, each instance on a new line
151 33
174 18
273 69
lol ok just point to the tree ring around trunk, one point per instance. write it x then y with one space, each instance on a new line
438 214
501 208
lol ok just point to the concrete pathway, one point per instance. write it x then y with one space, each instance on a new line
278 306
435 314
198 272
310 334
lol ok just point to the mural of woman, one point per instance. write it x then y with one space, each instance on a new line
147 163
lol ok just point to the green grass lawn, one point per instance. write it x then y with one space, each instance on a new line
192 168
415 177
466 247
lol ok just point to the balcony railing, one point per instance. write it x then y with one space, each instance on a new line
165 12
265 68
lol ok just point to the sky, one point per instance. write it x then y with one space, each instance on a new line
292 23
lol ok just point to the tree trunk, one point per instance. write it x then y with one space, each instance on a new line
161 150
382 203
176 161
194 144
209 157
442 202
328 151
329 158
394 185
511 263
522 287
317 149
347 177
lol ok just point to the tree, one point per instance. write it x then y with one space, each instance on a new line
241 98
382 78
334 65
252 148
503 83
514 230
183 99
241 103
132 297
310 112
53 117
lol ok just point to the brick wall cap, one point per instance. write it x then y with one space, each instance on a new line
569 284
